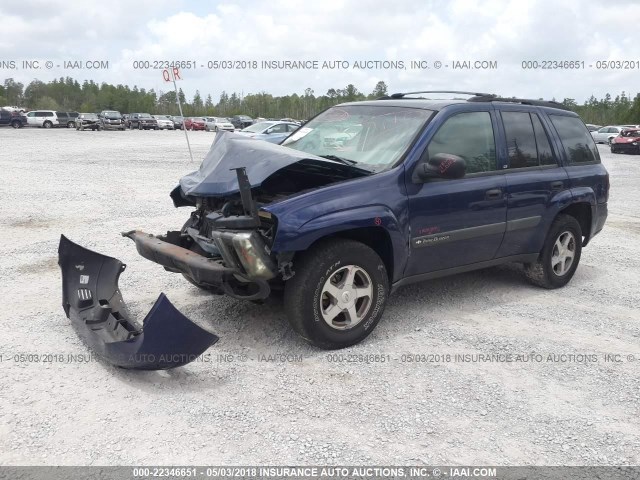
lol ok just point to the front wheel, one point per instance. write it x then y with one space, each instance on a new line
560 255
338 293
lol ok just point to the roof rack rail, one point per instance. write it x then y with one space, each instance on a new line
401 95
523 101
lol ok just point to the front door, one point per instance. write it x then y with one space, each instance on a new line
457 222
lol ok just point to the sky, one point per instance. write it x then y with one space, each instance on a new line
129 34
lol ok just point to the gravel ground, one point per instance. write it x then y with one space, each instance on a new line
262 395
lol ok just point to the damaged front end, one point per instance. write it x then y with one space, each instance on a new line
92 301
225 246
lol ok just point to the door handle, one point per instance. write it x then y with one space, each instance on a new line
557 186
493 194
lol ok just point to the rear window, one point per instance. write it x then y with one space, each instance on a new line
576 140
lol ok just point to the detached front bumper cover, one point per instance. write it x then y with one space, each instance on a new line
92 301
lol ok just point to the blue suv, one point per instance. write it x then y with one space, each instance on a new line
370 196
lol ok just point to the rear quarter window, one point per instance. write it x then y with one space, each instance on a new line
576 140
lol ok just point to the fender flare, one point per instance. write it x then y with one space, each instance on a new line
378 216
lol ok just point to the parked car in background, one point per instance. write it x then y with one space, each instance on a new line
142 121
71 119
218 123
164 122
194 123
178 122
592 128
14 108
87 121
273 132
12 118
342 136
47 118
241 121
290 120
627 142
111 120
606 134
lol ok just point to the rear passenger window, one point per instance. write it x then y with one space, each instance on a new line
521 141
545 154
527 143
470 136
576 139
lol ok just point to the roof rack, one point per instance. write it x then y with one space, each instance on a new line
522 101
484 97
401 95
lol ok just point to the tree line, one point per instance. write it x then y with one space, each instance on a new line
67 94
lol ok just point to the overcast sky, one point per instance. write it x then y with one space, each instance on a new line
122 32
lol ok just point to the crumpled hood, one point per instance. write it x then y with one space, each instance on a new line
261 159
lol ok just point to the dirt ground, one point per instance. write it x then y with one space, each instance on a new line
570 394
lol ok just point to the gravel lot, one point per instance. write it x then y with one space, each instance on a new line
262 395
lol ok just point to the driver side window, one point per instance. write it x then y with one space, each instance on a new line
468 135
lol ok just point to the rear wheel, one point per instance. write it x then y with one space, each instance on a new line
338 293
47 124
560 255
16 124
70 124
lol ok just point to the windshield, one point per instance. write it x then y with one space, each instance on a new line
372 137
89 116
257 127
144 115
112 114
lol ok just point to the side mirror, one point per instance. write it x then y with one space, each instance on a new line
441 165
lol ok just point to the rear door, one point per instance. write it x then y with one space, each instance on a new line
535 179
457 222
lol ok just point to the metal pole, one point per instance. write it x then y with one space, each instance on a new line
180 108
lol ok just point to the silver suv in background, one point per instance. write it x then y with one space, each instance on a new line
111 120
43 118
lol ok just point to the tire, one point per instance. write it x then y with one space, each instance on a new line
16 124
566 230
609 141
140 126
326 267
613 150
215 129
70 124
47 124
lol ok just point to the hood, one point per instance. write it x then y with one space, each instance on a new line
216 177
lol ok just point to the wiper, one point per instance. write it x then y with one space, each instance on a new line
342 160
